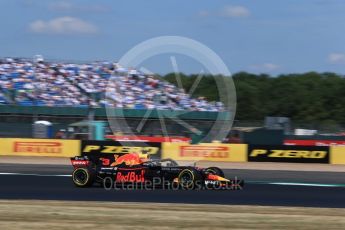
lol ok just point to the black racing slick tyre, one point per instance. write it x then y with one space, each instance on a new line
190 179
83 177
215 171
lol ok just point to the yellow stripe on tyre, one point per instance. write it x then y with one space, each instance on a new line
187 170
77 182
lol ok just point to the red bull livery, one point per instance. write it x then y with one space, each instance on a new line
132 169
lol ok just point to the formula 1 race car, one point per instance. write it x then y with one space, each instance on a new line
130 169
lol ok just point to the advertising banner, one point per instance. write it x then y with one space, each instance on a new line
39 147
285 153
314 142
205 152
148 138
337 155
111 149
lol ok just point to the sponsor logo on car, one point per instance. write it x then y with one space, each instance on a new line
131 176
204 151
127 159
212 182
80 162
37 147
107 168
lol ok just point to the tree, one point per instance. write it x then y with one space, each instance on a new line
309 97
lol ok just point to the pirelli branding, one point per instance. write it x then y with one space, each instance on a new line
37 147
205 151
294 154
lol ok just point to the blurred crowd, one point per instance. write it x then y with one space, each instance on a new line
39 83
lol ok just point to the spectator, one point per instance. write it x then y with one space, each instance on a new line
96 84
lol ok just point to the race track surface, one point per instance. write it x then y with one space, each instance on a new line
282 188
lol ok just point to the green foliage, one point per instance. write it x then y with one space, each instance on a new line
206 87
310 97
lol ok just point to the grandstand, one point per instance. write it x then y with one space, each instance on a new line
37 82
68 92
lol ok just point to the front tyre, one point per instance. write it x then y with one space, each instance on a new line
190 179
83 177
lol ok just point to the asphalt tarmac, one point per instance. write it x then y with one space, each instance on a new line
277 188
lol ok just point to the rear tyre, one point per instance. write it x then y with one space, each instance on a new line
190 179
83 177
215 171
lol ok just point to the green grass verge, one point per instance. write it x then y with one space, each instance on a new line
98 215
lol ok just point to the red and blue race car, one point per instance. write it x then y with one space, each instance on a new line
131 169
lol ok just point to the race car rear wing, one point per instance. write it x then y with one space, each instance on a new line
78 162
